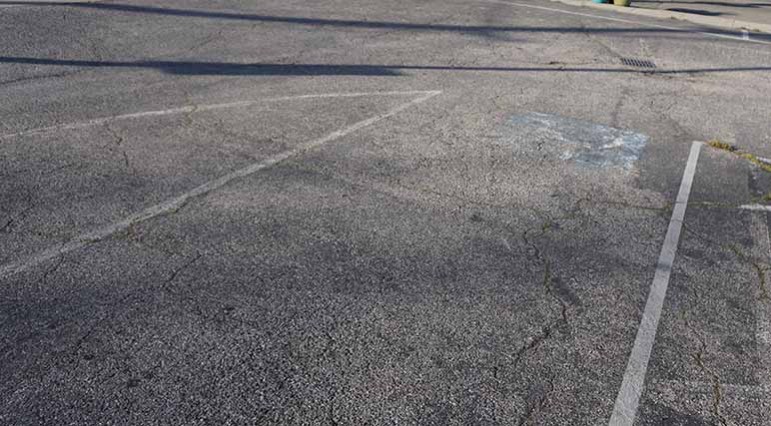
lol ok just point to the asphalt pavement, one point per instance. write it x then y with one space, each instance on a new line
381 212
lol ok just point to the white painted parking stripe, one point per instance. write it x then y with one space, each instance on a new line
762 251
756 207
762 248
626 21
199 108
678 387
180 200
628 398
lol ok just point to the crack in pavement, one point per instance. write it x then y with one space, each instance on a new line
119 140
760 162
743 257
111 312
717 393
177 271
532 409
44 278
547 330
759 270
618 106
699 359
130 234
5 229
205 41
533 342
38 77
188 113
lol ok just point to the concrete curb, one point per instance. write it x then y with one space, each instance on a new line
712 21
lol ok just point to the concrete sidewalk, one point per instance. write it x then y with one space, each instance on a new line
751 12
738 15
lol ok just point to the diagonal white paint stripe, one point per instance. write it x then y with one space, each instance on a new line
628 398
201 108
179 201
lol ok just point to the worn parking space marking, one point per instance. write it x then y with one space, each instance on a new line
756 207
707 388
179 201
762 250
628 400
199 108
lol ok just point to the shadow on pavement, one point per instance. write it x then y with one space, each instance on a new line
340 23
697 11
266 69
716 3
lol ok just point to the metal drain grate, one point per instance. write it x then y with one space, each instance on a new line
638 63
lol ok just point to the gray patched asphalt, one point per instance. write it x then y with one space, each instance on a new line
469 238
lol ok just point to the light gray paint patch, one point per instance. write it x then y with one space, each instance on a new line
586 143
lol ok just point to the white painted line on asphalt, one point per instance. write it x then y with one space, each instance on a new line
628 398
180 200
199 108
626 21
762 249
679 387
756 207
745 35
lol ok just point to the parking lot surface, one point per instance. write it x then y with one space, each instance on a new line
380 212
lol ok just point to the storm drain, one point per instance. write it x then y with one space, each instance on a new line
638 63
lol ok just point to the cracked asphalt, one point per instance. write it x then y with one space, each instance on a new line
387 212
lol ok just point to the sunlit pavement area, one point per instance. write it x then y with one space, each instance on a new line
380 212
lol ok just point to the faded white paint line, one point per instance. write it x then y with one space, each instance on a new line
745 35
762 249
628 398
756 207
626 21
679 388
200 108
179 201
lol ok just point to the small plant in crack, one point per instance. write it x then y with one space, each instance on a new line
760 162
717 393
763 199
722 145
